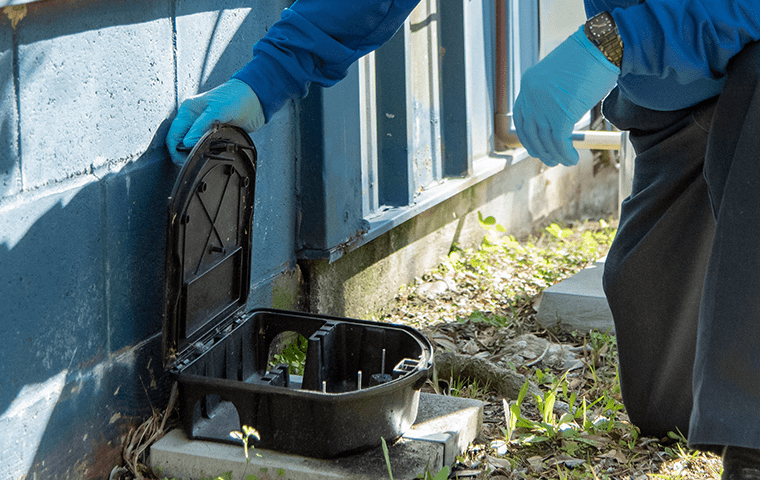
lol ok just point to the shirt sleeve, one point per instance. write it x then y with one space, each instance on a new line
316 41
690 40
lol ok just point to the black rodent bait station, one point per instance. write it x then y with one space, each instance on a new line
361 379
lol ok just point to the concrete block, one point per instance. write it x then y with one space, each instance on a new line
444 427
95 82
452 421
577 303
274 216
174 456
135 235
214 40
51 283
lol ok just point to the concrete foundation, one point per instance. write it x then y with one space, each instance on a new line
523 198
444 428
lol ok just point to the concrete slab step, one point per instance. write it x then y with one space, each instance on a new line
577 303
444 428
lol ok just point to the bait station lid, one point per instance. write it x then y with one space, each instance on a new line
360 379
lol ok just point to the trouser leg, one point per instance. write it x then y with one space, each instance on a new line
727 367
655 268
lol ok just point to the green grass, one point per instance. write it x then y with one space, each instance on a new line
590 436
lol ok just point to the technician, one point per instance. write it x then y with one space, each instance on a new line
683 275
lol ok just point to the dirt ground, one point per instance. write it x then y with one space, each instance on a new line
481 304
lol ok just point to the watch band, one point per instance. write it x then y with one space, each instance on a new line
602 32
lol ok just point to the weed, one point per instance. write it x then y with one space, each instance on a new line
459 387
387 457
294 355
245 437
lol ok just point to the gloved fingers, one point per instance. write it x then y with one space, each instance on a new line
522 126
549 153
567 154
534 134
531 134
531 130
201 124
233 102
181 124
561 144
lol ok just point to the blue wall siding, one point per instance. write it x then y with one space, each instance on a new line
274 218
87 90
134 235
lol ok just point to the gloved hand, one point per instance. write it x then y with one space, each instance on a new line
232 102
556 92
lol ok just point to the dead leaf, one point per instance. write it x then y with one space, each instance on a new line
466 473
537 463
499 463
617 455
470 347
567 460
594 440
445 343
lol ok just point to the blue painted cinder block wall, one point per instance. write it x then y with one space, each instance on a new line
86 88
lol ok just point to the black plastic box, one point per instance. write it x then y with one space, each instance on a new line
221 355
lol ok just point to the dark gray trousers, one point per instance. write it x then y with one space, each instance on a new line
683 275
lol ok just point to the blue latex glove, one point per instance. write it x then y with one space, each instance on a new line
556 92
233 102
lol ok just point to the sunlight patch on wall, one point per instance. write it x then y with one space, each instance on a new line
24 423
206 36
20 214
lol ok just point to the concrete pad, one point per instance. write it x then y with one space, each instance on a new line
453 421
444 428
577 303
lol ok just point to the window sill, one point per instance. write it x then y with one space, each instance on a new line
483 169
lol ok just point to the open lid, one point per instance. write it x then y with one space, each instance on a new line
208 241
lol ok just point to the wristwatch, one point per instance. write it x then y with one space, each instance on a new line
603 33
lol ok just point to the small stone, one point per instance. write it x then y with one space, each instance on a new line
432 289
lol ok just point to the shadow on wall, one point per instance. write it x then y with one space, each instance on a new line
82 285
82 262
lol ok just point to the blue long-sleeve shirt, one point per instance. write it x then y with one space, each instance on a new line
316 41
675 51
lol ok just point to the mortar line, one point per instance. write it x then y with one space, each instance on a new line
17 87
106 264
173 15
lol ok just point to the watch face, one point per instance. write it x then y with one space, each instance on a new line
602 32
600 25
